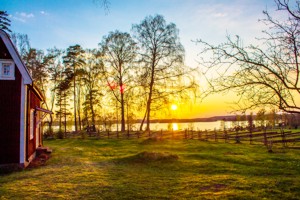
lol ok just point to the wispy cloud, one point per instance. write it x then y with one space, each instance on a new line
42 12
220 14
22 16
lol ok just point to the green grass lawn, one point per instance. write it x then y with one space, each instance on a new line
185 169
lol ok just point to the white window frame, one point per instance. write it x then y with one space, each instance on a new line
32 116
5 63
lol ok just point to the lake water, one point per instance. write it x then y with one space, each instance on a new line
169 126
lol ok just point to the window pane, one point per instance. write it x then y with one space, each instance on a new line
6 69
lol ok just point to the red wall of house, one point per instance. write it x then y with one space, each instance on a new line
10 104
4 54
34 101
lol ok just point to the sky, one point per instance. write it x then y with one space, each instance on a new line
62 23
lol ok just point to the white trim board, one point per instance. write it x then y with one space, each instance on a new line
23 122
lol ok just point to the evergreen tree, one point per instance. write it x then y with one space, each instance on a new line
73 61
4 21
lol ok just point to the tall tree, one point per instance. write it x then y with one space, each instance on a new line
73 61
55 72
161 57
36 63
265 75
21 41
119 51
62 96
4 21
92 77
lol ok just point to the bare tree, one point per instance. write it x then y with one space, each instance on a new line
21 41
266 75
161 66
103 3
119 51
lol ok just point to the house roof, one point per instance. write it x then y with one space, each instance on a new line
16 57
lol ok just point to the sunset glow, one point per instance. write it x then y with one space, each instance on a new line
175 126
174 107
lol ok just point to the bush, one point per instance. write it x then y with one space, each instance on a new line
59 134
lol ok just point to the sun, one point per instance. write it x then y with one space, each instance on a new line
174 107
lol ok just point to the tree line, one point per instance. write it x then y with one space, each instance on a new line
129 75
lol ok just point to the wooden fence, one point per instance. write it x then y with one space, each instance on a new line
265 137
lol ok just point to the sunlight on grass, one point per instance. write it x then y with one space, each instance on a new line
157 169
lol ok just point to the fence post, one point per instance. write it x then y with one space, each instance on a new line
199 135
161 134
250 136
225 136
98 134
172 133
215 135
265 137
283 138
237 137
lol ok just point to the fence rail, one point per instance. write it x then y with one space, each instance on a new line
265 137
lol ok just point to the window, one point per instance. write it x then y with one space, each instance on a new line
31 124
7 70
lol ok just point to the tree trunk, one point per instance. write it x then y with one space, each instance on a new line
143 121
92 107
148 113
79 110
150 93
122 113
60 108
65 115
74 98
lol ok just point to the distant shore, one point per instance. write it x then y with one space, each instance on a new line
174 120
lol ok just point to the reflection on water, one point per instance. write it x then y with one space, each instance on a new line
161 126
175 126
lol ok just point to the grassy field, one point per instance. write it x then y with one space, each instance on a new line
154 169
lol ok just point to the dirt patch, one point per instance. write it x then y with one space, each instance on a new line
214 187
146 156
152 140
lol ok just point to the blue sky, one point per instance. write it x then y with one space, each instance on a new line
62 23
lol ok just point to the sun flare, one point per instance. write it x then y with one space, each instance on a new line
174 107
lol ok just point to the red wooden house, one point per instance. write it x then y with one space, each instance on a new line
20 108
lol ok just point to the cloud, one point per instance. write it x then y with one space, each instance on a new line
22 16
42 12
217 15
